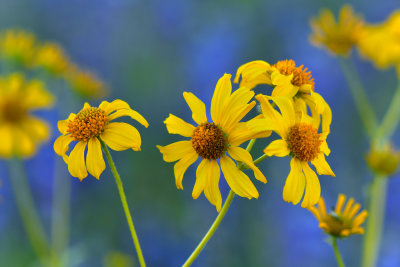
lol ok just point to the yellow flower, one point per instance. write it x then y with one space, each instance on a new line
384 161
21 132
18 46
85 83
290 81
212 140
52 58
339 222
380 43
90 124
338 37
300 140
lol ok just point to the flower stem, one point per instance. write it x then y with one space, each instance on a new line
124 204
27 210
376 210
260 159
337 252
211 231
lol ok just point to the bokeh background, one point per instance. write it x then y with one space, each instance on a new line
149 52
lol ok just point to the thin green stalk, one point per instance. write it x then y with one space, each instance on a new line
27 210
360 98
337 252
376 210
260 159
124 204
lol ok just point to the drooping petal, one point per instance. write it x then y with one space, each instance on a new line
181 166
313 187
222 92
242 133
7 140
211 189
114 106
176 125
295 183
277 148
176 151
201 179
322 166
238 181
253 74
240 154
61 146
76 161
63 125
94 158
197 107
131 113
121 136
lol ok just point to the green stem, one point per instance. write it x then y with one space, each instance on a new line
337 253
27 210
360 98
260 159
211 231
124 204
376 210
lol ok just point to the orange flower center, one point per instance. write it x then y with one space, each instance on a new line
209 141
88 123
303 141
12 111
300 74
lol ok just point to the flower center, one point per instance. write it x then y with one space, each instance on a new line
209 141
88 123
303 141
300 74
13 111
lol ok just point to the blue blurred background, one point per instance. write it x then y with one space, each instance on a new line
149 52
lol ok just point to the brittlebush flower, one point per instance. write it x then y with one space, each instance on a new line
300 140
20 132
338 37
214 140
52 58
288 80
17 46
85 83
90 124
339 222
380 43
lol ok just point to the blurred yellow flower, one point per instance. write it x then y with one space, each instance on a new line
85 83
384 161
52 58
21 132
300 140
90 124
380 43
17 46
338 37
212 140
339 222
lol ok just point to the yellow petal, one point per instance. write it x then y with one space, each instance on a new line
94 158
322 166
181 166
176 151
237 180
113 106
283 85
7 140
313 188
37 128
201 179
197 107
360 218
86 105
348 207
240 154
242 133
280 126
24 144
61 146
223 90
339 204
277 148
176 125
76 161
131 113
253 74
354 210
121 136
322 206
316 213
63 125
211 188
295 182
36 96
286 106
104 105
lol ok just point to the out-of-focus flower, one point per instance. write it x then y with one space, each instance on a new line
52 58
90 124
17 46
337 37
300 140
20 132
339 222
85 83
383 161
118 259
212 140
380 43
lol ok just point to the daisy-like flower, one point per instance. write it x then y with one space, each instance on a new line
288 80
85 83
18 46
52 58
212 141
338 37
300 140
339 222
90 124
20 132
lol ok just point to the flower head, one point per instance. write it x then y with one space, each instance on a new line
21 132
338 37
300 140
85 83
90 124
52 58
384 161
339 222
18 46
214 141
